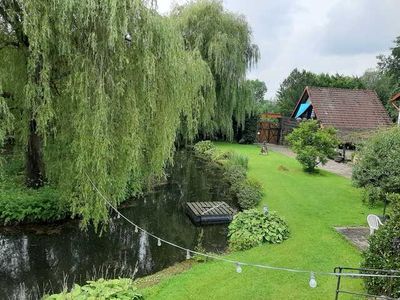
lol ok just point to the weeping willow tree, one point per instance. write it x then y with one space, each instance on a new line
96 90
224 41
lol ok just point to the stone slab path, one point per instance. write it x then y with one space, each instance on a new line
358 236
341 169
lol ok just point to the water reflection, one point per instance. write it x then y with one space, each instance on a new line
34 259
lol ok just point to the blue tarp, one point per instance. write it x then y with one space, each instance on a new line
303 107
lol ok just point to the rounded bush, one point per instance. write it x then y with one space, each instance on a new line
247 192
384 253
251 228
234 173
378 162
205 149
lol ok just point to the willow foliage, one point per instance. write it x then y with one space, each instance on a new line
106 104
224 41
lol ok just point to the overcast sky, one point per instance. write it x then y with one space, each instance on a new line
334 36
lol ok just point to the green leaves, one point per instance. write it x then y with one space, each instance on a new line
383 253
224 41
378 164
251 227
248 192
312 143
103 106
122 288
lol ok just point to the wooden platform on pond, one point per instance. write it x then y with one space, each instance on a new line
210 212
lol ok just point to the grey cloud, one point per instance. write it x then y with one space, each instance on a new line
360 26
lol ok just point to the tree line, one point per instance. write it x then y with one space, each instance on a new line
384 79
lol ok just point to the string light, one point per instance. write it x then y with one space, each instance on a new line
188 254
313 282
238 268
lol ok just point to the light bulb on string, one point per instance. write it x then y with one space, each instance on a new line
136 229
188 254
158 242
118 216
238 268
313 282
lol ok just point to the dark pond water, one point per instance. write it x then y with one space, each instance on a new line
37 258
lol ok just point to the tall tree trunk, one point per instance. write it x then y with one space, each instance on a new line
34 160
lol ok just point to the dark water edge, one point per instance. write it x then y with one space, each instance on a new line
47 258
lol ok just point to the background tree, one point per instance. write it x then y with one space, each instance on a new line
259 90
312 143
382 84
247 133
293 86
99 89
291 89
224 41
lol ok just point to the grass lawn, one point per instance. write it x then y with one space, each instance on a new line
312 204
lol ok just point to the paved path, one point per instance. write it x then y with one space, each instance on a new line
358 236
341 169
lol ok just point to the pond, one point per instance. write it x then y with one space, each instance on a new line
36 258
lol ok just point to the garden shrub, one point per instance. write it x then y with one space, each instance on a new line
238 159
384 253
378 163
234 174
101 289
20 204
205 149
371 195
247 192
251 227
312 144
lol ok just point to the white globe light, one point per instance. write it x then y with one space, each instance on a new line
313 282
238 268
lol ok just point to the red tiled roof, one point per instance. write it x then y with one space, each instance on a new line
347 109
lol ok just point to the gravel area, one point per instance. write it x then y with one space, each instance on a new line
341 169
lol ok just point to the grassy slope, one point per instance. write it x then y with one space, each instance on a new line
312 205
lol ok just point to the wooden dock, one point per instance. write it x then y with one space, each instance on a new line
210 212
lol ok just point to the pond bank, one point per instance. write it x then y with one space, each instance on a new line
37 258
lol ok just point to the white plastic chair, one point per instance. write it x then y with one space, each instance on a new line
373 222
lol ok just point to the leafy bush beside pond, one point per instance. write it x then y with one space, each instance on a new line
234 174
101 289
247 192
21 204
252 227
237 159
205 149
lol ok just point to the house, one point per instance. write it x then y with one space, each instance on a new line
352 112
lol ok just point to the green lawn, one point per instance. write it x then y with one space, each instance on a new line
312 204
